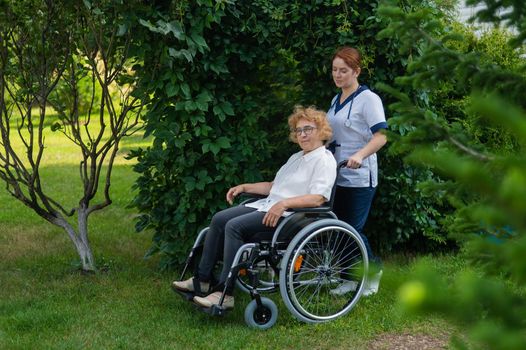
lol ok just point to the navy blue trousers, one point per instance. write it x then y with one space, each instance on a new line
352 205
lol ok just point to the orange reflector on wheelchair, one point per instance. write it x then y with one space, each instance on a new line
242 272
297 263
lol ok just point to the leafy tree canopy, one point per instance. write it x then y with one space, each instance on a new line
485 183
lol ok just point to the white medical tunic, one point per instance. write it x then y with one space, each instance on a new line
311 173
364 119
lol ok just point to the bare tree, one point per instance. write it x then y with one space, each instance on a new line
46 54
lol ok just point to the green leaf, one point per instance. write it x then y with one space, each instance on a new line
123 28
198 39
202 106
205 147
179 143
87 4
219 68
172 89
227 108
149 25
223 142
219 112
204 96
176 29
180 54
197 118
202 100
56 126
190 106
186 90
214 148
189 183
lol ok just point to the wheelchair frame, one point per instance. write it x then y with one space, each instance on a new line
323 255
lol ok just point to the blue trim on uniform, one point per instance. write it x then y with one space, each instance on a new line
336 103
376 127
338 107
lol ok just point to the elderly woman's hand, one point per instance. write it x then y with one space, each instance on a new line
274 214
233 192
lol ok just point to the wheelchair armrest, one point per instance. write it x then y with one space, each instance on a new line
250 197
321 209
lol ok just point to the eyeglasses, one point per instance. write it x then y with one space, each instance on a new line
306 129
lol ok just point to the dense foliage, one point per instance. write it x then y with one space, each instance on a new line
223 77
475 140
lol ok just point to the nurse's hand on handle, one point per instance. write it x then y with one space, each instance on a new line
354 162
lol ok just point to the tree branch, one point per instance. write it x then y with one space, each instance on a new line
470 151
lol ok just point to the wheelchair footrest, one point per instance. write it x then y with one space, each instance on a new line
188 296
215 310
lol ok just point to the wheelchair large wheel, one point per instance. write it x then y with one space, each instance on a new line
268 277
323 271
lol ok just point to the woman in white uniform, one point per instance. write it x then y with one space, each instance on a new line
357 119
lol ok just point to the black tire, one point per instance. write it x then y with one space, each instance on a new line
322 257
261 317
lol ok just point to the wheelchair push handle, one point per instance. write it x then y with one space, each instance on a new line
343 164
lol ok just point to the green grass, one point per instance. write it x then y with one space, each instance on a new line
45 303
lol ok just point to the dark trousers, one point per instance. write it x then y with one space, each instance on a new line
230 228
352 205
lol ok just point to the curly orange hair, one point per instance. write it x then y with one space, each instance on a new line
313 115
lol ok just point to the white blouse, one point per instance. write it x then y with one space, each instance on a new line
312 173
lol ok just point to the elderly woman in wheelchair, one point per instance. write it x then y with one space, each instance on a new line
253 239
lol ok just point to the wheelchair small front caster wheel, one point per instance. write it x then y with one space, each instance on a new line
261 317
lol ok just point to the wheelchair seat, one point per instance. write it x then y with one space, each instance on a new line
291 227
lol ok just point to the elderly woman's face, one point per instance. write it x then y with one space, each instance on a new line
308 135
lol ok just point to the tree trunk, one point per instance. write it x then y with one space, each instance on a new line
84 249
86 256
80 239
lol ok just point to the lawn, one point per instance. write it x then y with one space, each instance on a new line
45 303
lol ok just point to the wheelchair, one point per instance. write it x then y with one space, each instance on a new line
311 254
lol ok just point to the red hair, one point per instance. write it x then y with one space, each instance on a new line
350 56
